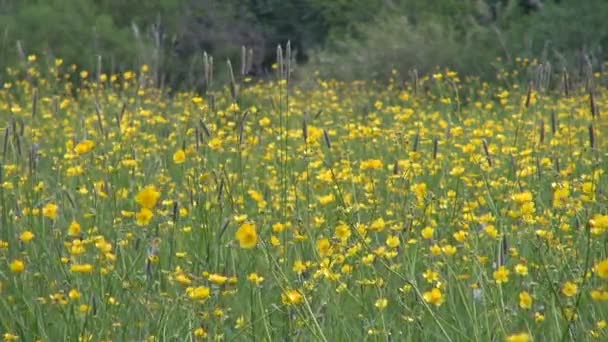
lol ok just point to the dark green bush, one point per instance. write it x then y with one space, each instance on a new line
344 38
472 37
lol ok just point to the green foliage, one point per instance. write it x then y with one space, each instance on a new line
71 29
345 38
563 29
473 37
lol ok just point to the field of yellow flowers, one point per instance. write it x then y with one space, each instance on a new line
437 209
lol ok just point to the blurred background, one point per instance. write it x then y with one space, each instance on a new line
346 39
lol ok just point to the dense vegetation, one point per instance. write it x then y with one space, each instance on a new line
350 39
444 209
428 170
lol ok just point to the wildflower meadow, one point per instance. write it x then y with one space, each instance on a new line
427 208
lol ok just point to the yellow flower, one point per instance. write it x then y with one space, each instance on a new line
569 289
8 337
599 295
75 171
274 241
217 278
539 317
264 122
258 198
343 232
144 216
601 269
381 303
427 233
299 266
457 171
570 313
378 225
420 190
179 156
26 236
292 297
81 268
74 229
323 200
449 249
59 298
561 195
74 294
199 293
148 197
430 275
84 146
278 227
521 337
599 222
324 247
525 300
247 236
200 332
433 296
240 323
234 107
501 275
50 210
17 266
491 231
77 247
522 197
521 269
183 279
393 241
460 235
371 164
215 144
255 278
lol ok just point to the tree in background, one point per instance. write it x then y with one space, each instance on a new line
347 38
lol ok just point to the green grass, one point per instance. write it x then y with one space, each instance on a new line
363 198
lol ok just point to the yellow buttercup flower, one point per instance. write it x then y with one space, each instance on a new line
371 164
393 241
434 296
520 337
217 279
74 229
427 233
501 275
199 293
81 268
292 297
525 300
144 216
381 303
255 278
601 269
17 266
148 197
247 235
179 157
26 236
84 146
569 289
50 210
324 247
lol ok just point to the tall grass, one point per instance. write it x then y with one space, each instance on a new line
438 209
